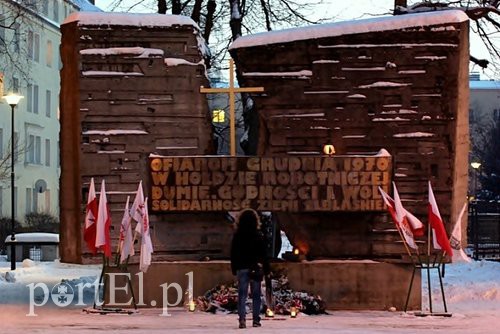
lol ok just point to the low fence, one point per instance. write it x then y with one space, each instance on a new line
484 230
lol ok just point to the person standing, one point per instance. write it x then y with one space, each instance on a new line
249 263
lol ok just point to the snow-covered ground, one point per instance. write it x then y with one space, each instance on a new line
472 291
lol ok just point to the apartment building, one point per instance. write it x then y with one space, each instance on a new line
29 66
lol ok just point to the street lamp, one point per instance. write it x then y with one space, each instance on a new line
475 165
12 99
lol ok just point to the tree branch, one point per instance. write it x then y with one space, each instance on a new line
196 13
209 20
266 14
481 62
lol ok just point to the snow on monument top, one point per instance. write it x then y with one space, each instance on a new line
382 23
129 19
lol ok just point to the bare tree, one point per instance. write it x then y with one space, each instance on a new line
484 16
14 55
222 21
6 158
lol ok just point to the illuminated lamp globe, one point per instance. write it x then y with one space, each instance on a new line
329 149
12 99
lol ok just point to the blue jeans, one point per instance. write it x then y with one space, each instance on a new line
243 281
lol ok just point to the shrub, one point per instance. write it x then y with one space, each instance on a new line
40 222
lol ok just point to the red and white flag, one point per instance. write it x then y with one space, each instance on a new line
142 228
126 238
402 221
456 239
399 216
439 236
102 239
137 209
417 227
90 218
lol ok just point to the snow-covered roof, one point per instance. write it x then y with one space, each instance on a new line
86 6
484 84
129 19
382 23
35 237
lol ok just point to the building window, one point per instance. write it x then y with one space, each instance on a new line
36 47
29 98
49 54
218 116
34 150
55 9
38 150
31 200
33 46
1 201
48 97
47 152
34 205
35 99
29 197
15 85
32 98
30 152
47 200
30 44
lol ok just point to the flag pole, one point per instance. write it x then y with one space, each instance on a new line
428 264
101 279
441 280
117 255
404 243
414 267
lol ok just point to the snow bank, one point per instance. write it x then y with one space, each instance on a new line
49 273
468 286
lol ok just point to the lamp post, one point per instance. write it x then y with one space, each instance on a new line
475 166
12 99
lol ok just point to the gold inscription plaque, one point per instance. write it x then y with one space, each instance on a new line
298 184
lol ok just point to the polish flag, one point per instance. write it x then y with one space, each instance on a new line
126 238
89 231
142 228
401 219
102 240
399 216
137 209
439 237
456 239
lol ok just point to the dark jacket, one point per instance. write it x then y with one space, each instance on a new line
247 250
